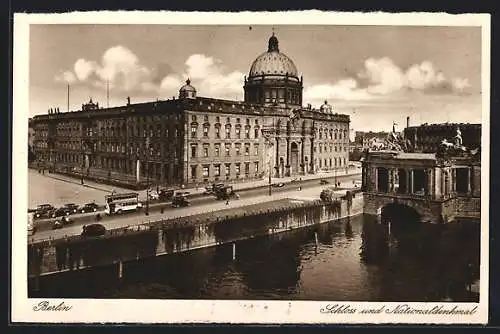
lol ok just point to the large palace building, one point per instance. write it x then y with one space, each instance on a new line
192 139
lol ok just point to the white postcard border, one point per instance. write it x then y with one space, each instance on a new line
219 311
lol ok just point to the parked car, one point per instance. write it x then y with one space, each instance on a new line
44 211
278 185
60 223
72 207
89 207
93 230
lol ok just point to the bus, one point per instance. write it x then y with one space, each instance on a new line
121 203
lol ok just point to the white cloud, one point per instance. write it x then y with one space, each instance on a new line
83 68
383 78
66 77
209 76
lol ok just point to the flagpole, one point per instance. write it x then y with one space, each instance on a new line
67 100
107 92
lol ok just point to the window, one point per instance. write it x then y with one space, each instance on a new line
247 168
256 149
237 120
237 168
320 148
335 148
193 172
256 132
206 171
228 169
217 170
228 120
217 132
238 132
217 119
228 149
205 119
247 132
193 118
205 131
247 149
193 131
193 151
205 151
256 167
320 134
335 134
228 131
238 148
217 150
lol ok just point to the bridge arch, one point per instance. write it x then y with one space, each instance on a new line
400 214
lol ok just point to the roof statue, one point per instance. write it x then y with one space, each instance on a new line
294 116
393 142
455 147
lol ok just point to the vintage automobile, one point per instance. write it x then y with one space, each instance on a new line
180 201
72 207
89 207
93 230
44 211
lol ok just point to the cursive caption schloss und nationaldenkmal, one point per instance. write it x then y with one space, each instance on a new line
47 306
400 309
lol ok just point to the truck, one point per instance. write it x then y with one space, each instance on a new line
224 193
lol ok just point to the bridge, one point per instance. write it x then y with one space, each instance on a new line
421 186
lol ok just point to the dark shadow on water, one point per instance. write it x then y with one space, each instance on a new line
413 262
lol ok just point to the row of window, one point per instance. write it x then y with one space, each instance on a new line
335 162
227 149
216 169
330 147
237 130
332 134
194 118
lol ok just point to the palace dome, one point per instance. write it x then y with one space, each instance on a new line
187 91
273 62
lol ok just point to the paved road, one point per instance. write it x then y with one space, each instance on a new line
311 193
80 219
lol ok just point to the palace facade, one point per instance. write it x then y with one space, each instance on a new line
193 139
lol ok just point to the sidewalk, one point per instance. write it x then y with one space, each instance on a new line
265 182
198 191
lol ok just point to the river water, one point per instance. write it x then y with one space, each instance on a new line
355 259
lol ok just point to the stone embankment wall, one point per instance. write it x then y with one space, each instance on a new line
163 237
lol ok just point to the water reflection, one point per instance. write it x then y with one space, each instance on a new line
358 259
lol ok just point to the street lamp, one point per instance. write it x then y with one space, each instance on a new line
268 141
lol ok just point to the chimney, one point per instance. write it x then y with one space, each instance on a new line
407 121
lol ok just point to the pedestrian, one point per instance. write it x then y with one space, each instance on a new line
227 202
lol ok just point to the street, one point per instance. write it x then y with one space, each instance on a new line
203 205
80 219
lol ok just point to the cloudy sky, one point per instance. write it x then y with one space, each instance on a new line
377 75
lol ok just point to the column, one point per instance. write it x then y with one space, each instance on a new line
375 177
454 180
429 174
302 162
287 167
277 163
138 171
411 182
311 169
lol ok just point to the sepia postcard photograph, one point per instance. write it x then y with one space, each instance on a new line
296 167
